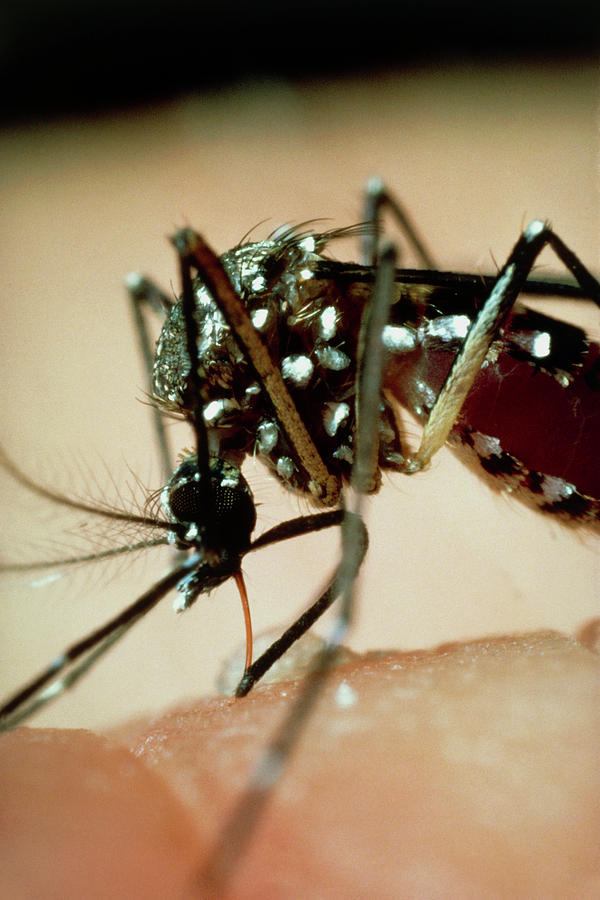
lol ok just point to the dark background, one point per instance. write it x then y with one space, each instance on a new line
67 57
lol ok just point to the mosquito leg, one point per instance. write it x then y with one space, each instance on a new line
485 329
364 474
368 392
75 661
378 198
194 252
277 649
188 300
240 827
144 294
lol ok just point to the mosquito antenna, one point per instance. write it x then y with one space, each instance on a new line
63 500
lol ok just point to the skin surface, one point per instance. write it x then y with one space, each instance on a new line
468 771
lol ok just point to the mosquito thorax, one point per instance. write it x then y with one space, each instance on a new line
309 325
219 517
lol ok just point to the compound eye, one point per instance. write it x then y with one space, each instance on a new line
235 514
186 502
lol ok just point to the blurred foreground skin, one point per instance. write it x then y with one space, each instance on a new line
468 771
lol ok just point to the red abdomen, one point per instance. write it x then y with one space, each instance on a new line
532 418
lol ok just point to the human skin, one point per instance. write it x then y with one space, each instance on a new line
467 771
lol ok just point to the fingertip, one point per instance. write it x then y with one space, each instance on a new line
81 817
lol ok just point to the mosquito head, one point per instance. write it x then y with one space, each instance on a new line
218 518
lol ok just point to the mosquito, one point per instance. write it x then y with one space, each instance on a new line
277 351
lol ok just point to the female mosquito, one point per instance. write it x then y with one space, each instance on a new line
277 351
